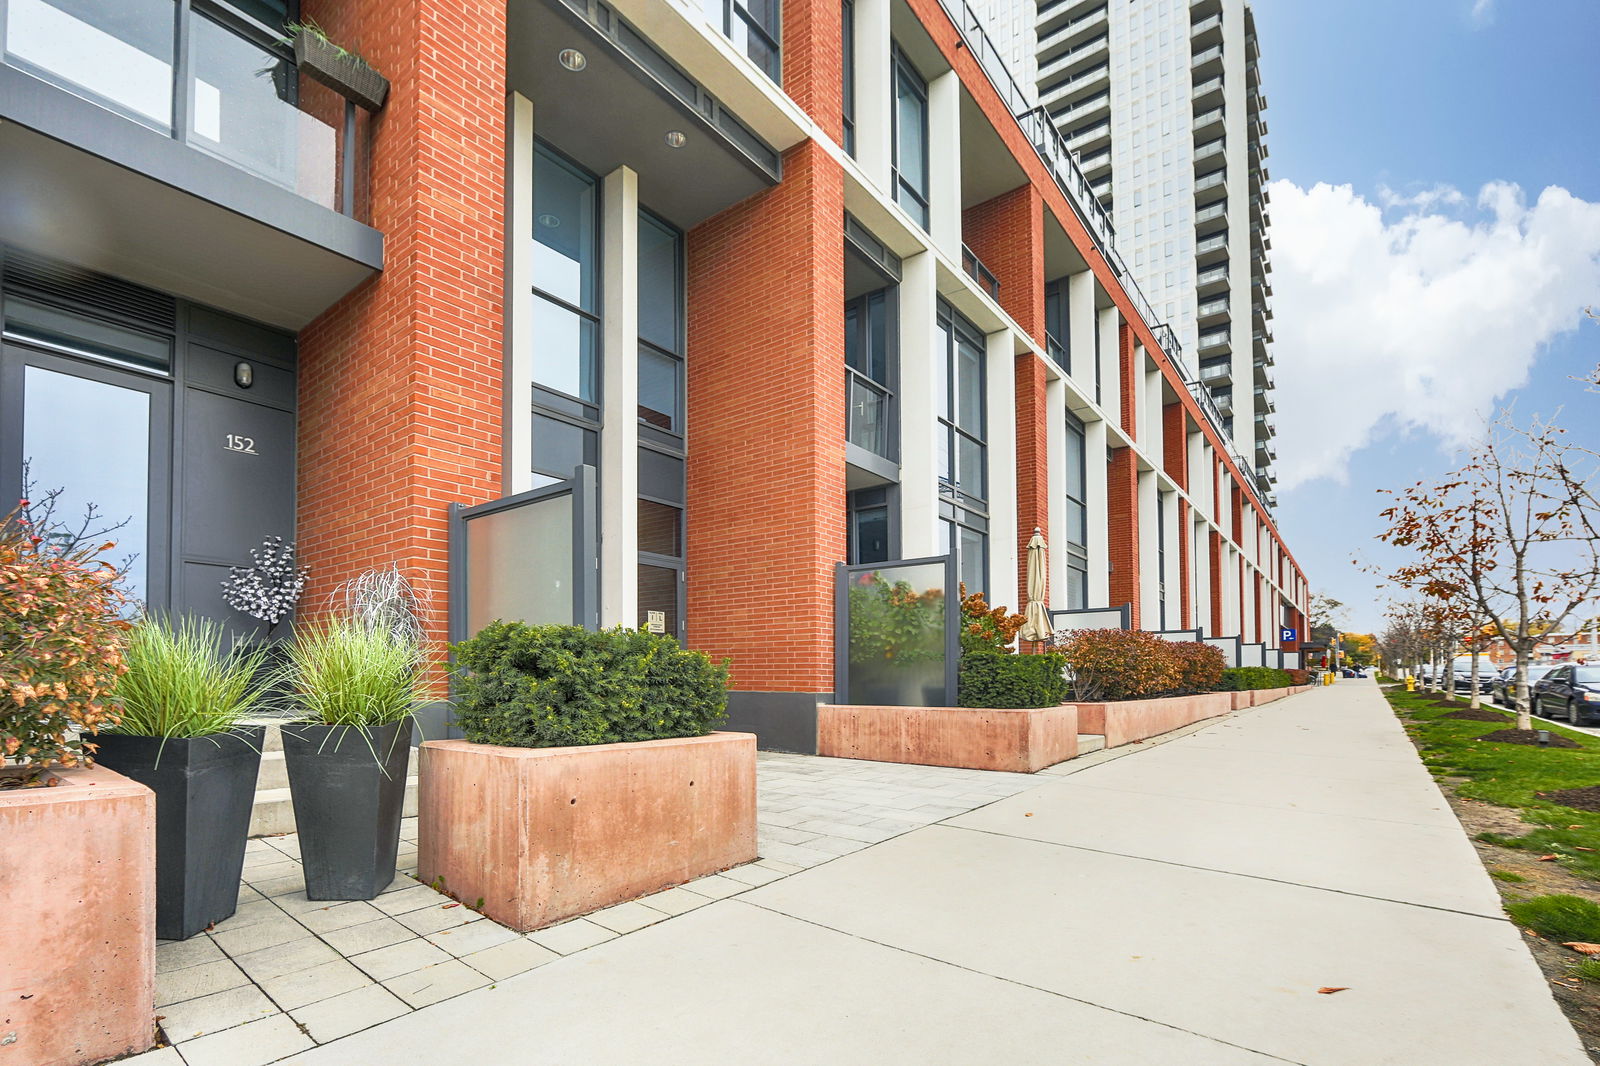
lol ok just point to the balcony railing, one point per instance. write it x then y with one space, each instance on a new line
232 91
979 273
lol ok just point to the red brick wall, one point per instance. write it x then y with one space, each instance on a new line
1122 498
400 382
1033 462
1175 443
813 61
1216 628
1007 235
1185 567
766 488
1127 373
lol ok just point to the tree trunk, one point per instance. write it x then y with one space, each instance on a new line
1524 712
1476 701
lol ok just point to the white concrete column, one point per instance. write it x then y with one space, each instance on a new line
1149 552
517 424
1200 575
1080 328
1152 426
874 89
1055 415
944 164
1000 412
1107 321
1099 514
921 443
619 439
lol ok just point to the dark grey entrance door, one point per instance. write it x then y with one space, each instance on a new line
102 435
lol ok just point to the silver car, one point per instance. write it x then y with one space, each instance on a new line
1505 685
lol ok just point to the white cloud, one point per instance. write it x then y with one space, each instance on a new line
1482 12
1424 318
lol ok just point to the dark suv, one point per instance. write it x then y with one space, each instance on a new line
1570 692
1505 686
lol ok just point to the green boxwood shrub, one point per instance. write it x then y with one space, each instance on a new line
1001 681
1247 678
526 686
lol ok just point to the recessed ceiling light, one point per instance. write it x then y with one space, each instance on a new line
572 59
549 221
676 139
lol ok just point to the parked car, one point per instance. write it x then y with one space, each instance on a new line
1461 674
1505 684
1570 692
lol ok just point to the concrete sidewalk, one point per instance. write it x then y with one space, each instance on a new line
1179 905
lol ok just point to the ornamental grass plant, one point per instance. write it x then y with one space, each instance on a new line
339 671
183 681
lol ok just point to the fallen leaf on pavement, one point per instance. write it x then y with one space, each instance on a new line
1328 991
1028 815
447 906
1578 945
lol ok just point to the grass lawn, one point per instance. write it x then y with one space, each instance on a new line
1511 775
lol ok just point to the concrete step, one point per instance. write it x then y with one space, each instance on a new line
274 772
273 811
1088 742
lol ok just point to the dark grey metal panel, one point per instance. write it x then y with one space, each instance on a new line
217 371
231 331
781 721
238 476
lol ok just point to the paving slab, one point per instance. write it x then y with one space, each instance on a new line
797 995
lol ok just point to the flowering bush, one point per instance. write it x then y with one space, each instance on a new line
268 589
1299 677
1200 666
1119 664
61 640
985 628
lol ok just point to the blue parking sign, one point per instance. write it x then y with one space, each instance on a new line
1286 634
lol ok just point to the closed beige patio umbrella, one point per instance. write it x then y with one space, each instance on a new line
1037 615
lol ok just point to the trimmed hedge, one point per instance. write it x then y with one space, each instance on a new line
525 686
1249 678
1002 681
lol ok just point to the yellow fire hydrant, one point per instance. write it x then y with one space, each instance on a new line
1327 677
1411 684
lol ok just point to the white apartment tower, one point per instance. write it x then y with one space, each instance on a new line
1161 100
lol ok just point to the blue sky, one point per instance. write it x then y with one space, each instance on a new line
1413 302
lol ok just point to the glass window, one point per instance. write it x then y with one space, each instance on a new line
848 48
561 447
868 397
910 139
658 591
566 323
754 26
660 284
869 526
119 55
1077 520
660 529
972 561
1058 324
1077 582
660 403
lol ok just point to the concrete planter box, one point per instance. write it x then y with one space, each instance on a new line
1126 721
1021 741
78 980
544 834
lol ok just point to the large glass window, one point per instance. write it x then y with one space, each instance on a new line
661 330
963 463
868 365
566 271
1161 558
848 47
870 539
910 139
1076 529
1058 324
754 26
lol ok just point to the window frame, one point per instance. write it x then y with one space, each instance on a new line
545 397
904 72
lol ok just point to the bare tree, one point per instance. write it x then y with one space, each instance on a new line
1513 532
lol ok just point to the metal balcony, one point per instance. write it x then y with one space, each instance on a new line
1207 217
1215 308
1211 247
1215 342
1209 151
1212 276
1208 187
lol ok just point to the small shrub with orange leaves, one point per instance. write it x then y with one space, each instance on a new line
61 639
985 628
1120 664
1200 666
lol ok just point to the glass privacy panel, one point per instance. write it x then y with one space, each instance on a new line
895 620
242 110
519 565
100 455
117 54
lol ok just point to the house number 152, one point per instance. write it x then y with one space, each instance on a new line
236 443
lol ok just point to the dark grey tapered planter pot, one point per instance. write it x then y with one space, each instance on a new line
204 787
349 790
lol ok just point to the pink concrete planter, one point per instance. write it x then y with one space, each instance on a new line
1126 721
78 881
1021 741
545 834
